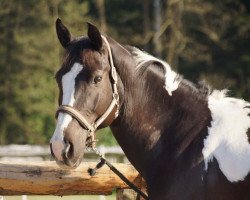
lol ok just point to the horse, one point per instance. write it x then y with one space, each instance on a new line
188 141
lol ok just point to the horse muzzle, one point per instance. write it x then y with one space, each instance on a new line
69 150
65 156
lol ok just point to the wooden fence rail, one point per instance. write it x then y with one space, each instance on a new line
37 152
46 178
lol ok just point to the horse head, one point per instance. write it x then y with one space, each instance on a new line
88 97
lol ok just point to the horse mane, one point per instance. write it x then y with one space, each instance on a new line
144 60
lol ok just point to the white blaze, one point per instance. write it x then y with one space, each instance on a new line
227 139
68 89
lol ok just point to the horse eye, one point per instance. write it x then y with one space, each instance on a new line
97 79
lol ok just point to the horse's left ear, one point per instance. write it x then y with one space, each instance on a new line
95 36
63 33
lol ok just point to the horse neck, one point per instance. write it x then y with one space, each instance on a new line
150 120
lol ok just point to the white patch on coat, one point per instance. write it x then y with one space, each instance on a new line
227 139
63 120
171 78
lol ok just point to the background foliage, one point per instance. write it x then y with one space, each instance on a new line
201 39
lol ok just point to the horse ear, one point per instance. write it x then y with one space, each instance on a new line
94 36
63 33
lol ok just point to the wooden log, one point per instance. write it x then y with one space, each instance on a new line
46 178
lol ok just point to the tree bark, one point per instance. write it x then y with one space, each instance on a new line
102 16
146 24
157 25
174 13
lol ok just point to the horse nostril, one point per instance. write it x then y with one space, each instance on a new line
69 150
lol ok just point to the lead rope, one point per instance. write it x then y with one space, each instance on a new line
103 161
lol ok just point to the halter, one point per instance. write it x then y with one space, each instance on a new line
91 128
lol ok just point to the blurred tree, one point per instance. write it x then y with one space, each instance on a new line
157 25
100 4
217 34
29 73
31 58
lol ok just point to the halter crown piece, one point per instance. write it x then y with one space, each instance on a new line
114 103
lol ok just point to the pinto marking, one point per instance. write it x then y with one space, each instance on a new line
227 139
68 98
172 80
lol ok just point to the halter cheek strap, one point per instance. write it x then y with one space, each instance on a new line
114 103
